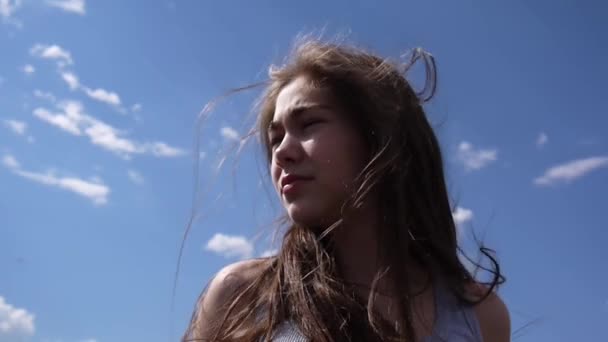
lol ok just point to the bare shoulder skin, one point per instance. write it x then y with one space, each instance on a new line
493 316
220 292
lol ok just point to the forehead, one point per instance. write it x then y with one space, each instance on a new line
300 94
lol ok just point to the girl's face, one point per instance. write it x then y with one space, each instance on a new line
316 154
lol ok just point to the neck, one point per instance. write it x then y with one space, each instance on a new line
357 249
358 254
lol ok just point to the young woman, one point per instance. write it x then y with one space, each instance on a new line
370 253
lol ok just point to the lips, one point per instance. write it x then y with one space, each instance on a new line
289 179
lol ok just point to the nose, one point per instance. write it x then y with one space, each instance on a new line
288 152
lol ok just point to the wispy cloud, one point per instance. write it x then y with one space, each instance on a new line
229 133
110 138
542 139
52 52
99 94
136 108
63 58
95 190
475 158
103 95
8 7
7 11
28 69
230 246
71 6
45 95
589 141
60 120
18 127
160 149
71 79
462 215
135 177
569 171
10 162
73 119
269 253
15 323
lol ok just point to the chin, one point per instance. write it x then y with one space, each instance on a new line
302 214
309 216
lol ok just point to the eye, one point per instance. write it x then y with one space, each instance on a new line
312 122
275 140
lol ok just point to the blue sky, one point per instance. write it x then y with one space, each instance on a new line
98 104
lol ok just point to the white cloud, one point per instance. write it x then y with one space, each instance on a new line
71 79
8 7
94 190
98 94
74 120
53 52
16 126
474 158
230 246
10 161
15 323
542 139
567 172
72 6
63 58
89 340
136 108
108 137
269 253
103 96
229 133
462 215
160 149
28 69
45 96
60 120
135 177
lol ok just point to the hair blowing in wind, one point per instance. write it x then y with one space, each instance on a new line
403 172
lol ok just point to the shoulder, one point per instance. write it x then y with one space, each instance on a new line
229 280
219 295
492 314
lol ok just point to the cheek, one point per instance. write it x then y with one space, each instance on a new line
341 151
275 173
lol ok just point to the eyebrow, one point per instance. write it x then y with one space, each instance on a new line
295 112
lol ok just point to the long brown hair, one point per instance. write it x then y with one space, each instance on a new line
405 169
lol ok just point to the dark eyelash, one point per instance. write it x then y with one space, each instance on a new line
275 141
312 122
